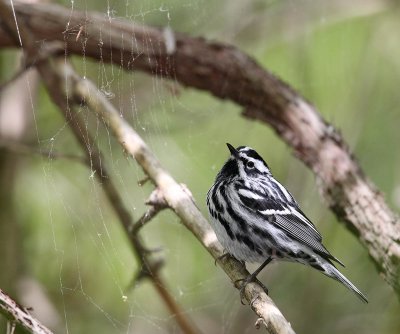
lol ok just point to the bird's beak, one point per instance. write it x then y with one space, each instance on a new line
233 150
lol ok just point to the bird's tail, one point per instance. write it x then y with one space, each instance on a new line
331 271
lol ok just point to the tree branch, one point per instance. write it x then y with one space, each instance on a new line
157 203
230 74
62 82
174 194
19 148
18 314
150 267
54 85
60 97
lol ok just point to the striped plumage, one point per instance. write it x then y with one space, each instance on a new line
257 220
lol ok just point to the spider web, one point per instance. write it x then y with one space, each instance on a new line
75 246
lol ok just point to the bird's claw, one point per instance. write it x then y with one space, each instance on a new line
246 281
243 286
221 257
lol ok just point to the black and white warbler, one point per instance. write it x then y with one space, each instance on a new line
257 220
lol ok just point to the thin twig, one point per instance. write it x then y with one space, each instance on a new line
143 181
52 49
17 313
147 216
146 271
157 202
19 148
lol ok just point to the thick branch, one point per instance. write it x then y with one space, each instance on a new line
18 314
228 73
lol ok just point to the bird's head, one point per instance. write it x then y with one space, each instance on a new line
244 162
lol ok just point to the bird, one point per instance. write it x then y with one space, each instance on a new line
257 220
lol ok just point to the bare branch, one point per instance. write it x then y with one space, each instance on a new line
50 51
157 203
55 84
230 74
143 181
149 267
18 314
175 195
19 148
147 216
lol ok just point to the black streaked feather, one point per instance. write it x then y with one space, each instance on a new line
264 203
257 220
215 200
229 170
300 229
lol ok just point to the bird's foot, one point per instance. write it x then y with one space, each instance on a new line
249 279
221 257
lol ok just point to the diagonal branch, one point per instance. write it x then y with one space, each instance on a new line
157 203
230 74
174 194
62 83
148 266
60 97
18 314
19 148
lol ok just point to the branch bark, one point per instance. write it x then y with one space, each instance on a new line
230 74
18 314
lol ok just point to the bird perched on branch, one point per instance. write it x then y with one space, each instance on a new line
257 220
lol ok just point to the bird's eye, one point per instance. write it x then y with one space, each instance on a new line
250 164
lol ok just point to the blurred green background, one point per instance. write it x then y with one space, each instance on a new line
63 249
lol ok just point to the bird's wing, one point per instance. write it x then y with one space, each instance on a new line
286 216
